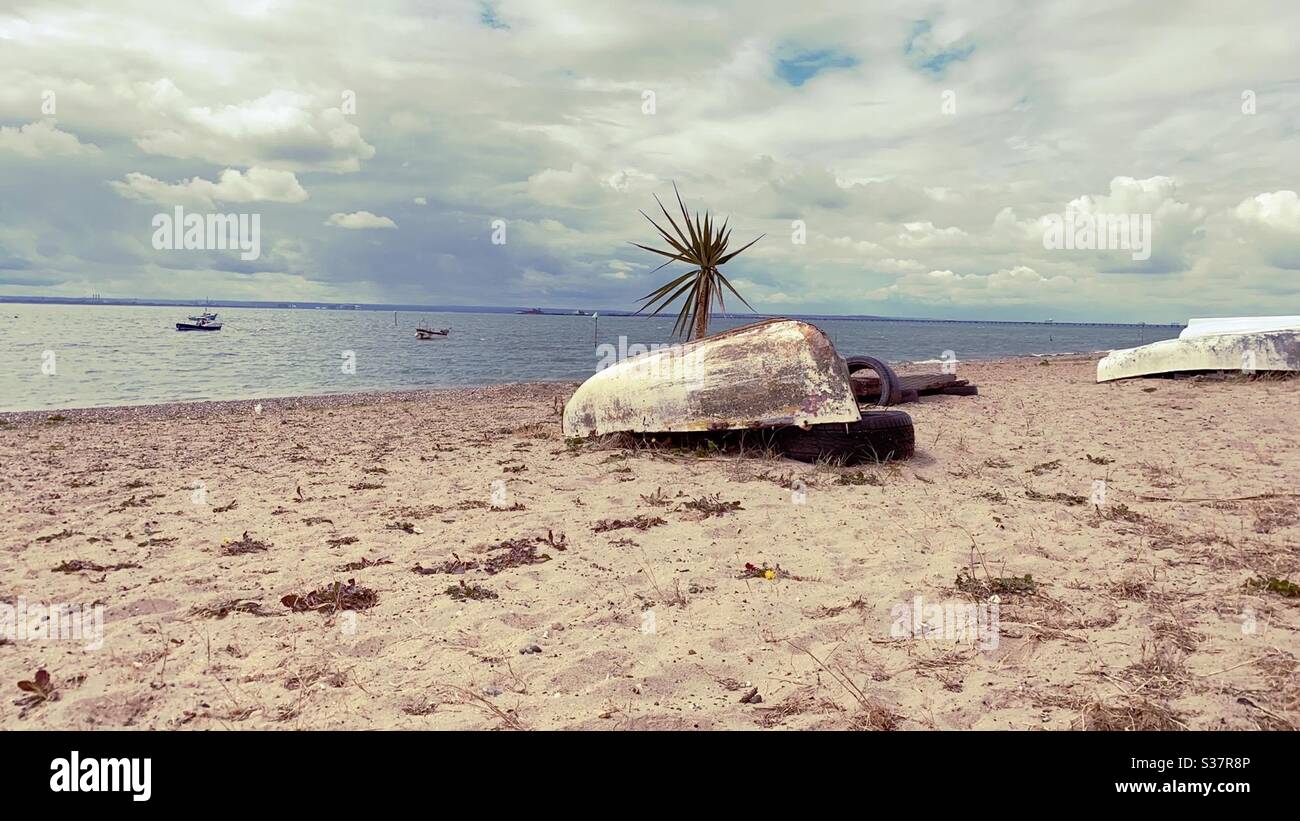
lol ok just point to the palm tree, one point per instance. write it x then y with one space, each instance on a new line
704 246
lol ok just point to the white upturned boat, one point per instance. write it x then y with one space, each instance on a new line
1248 344
775 373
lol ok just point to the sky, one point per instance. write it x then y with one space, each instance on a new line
899 158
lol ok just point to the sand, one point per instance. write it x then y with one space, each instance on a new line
1138 612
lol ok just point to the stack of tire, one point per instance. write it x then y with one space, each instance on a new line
880 436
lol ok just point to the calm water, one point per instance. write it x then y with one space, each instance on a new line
122 355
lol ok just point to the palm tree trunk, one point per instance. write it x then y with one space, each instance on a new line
702 308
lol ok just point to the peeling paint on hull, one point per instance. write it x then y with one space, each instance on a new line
1274 351
770 374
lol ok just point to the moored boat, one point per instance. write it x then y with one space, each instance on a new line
199 325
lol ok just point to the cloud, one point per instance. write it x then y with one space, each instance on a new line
360 219
43 139
1279 211
1175 224
1009 286
281 129
257 185
1050 113
1271 222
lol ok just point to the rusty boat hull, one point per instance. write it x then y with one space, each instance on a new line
771 374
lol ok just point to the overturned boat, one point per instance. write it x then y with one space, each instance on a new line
780 377
1246 344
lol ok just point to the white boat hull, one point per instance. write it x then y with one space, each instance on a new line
1239 325
774 373
1268 351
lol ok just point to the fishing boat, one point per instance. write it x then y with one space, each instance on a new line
206 321
779 376
422 332
1247 344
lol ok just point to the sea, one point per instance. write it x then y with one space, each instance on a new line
55 356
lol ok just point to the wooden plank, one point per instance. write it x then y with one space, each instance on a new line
921 383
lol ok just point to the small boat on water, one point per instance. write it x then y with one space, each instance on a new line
1247 344
422 332
200 325
203 322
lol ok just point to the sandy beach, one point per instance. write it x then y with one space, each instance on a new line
506 578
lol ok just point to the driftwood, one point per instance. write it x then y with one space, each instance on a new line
924 384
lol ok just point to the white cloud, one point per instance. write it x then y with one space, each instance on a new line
1279 210
1020 284
360 219
1050 114
257 185
43 139
281 129
1270 224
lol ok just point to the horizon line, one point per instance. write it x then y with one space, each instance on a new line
163 302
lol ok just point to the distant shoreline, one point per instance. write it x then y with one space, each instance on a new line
325 401
522 310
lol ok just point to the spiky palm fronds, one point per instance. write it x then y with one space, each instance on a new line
704 246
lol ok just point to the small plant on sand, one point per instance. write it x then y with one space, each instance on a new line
1282 587
860 478
332 598
1133 713
656 499
470 592
1003 585
41 689
1121 512
245 544
222 609
78 565
455 566
704 246
1063 498
1045 467
556 541
640 523
405 527
362 564
513 553
763 571
710 505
